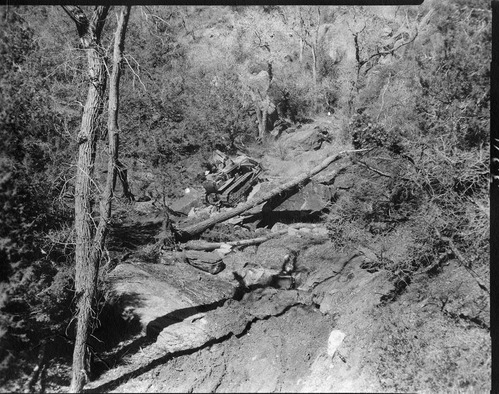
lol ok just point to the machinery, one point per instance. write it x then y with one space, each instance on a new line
231 179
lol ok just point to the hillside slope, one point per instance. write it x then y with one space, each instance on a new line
403 331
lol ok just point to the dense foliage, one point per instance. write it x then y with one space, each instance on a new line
35 262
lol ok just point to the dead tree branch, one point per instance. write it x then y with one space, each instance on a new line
204 245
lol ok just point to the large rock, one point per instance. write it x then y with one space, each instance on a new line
160 295
210 262
193 198
306 139
232 318
312 198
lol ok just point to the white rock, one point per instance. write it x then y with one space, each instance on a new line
320 231
223 249
334 342
192 213
279 227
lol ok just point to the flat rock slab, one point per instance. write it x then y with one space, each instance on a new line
313 197
230 319
233 318
161 294
210 262
305 139
191 199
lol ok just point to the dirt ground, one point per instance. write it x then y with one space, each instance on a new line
403 346
274 355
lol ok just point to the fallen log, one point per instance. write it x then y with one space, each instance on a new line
197 228
205 245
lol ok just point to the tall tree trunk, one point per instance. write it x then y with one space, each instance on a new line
259 117
122 174
265 113
86 270
113 164
301 51
314 74
262 111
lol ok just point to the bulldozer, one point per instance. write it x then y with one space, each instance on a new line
230 179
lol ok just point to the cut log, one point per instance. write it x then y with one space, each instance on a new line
195 229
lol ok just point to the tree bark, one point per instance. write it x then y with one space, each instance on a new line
113 134
85 274
191 231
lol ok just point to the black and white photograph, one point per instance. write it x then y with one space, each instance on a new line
243 198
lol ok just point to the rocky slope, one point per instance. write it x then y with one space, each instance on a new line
294 313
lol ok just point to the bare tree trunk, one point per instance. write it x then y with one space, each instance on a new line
122 174
113 133
89 32
113 136
301 51
259 117
89 246
191 231
38 370
314 75
265 113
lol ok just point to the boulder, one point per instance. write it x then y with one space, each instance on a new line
306 139
231 318
210 262
279 127
334 342
312 198
193 198
158 293
272 256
